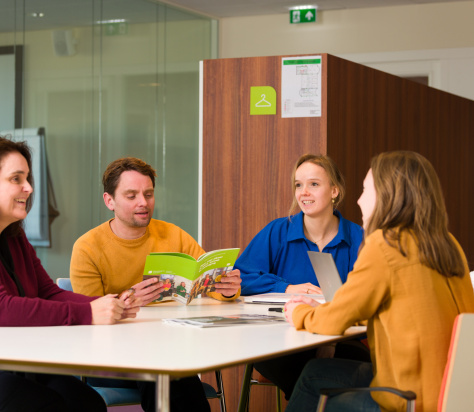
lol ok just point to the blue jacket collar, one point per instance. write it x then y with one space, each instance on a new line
296 232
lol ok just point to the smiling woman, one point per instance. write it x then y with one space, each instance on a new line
16 185
28 297
15 188
276 259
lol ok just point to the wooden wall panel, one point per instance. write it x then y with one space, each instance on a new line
247 164
370 111
247 159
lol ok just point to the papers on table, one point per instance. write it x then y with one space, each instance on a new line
230 320
279 298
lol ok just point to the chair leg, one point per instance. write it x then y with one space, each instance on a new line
220 390
322 403
278 399
245 391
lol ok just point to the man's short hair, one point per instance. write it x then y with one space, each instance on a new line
114 170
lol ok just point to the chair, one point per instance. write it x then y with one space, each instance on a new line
131 396
409 396
456 394
212 393
248 382
111 396
64 283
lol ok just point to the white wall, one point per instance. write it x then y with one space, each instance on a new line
433 39
450 70
382 29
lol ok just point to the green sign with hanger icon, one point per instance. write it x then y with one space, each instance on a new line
262 100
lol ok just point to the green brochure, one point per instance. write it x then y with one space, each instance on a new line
184 277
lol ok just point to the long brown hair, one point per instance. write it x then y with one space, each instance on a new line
8 146
333 172
410 199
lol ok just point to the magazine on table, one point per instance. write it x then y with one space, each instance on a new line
230 320
185 278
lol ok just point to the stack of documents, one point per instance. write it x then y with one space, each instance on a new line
231 320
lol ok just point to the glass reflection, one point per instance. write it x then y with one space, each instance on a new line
105 89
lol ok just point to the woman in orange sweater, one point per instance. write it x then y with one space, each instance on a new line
409 282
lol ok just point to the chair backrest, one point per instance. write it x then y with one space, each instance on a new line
64 283
457 392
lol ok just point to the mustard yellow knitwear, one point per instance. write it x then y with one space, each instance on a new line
103 263
410 311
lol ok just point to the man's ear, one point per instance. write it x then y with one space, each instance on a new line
109 201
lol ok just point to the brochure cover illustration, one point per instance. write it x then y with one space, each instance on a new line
186 278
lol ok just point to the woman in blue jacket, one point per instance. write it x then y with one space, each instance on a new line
276 260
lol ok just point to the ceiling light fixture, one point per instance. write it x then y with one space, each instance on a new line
306 7
111 21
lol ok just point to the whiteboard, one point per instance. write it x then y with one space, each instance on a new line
36 223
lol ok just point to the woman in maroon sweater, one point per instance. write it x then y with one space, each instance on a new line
28 297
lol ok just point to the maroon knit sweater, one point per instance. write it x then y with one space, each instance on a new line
44 303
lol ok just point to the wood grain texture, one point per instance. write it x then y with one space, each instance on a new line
370 112
247 165
247 159
262 398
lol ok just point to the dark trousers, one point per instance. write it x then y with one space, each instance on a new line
186 394
285 370
33 392
334 373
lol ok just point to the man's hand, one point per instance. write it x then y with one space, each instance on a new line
132 305
107 310
147 291
229 284
307 288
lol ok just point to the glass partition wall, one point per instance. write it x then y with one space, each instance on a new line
108 79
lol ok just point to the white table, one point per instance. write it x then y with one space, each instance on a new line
147 349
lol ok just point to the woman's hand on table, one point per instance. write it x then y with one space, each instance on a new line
229 284
107 310
307 288
293 303
147 291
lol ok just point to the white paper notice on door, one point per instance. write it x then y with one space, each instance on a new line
301 86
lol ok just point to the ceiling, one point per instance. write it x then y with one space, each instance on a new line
76 13
236 8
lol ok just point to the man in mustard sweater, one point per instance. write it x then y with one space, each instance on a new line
111 257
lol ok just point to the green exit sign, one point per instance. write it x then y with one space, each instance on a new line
115 29
303 16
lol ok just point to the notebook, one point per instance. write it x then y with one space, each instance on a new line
326 273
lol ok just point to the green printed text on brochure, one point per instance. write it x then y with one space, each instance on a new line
184 277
